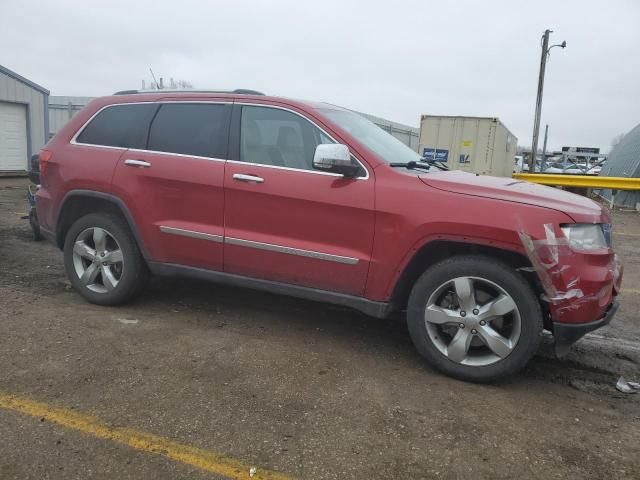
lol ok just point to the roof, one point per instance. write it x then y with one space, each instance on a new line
237 91
199 95
21 79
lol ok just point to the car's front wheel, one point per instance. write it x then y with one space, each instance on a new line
474 318
102 260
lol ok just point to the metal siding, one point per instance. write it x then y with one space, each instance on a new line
20 91
46 117
406 134
57 119
624 161
65 100
4 88
13 92
62 109
36 108
414 142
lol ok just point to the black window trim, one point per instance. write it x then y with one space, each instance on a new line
74 141
237 125
232 128
163 102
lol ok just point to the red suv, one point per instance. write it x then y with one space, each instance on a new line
312 200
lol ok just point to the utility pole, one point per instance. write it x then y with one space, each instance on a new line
544 148
536 120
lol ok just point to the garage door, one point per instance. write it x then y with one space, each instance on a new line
13 136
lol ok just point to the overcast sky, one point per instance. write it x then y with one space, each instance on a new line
394 59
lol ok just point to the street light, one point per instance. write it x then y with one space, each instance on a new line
536 122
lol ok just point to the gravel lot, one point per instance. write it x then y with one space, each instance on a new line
308 389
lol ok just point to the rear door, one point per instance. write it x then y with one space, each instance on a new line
174 186
285 221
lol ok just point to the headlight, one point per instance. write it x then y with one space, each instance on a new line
587 237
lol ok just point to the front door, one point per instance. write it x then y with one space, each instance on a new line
285 221
174 186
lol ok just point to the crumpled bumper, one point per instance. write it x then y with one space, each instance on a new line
566 334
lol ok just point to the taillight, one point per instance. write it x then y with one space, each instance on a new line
45 156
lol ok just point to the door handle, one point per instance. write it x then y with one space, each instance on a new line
241 177
137 163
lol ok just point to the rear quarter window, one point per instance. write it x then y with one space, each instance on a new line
123 126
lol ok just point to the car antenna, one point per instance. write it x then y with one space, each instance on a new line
154 79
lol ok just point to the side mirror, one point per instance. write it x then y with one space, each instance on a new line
335 158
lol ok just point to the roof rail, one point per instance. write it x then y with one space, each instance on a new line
237 91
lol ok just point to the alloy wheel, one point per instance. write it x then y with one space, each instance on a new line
98 260
472 321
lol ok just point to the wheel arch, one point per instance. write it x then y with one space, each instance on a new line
77 203
436 250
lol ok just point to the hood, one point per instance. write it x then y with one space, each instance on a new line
579 208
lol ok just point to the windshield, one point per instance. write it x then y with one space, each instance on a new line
383 144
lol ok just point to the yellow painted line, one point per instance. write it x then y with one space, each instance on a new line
630 290
626 234
146 442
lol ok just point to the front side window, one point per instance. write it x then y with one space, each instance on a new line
123 126
198 129
270 136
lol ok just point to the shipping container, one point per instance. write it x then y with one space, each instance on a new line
474 144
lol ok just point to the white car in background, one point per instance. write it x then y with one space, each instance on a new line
595 170
557 167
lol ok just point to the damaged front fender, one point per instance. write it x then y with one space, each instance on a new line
579 287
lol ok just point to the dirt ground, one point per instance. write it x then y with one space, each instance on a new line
307 389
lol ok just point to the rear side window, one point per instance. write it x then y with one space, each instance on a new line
198 129
123 126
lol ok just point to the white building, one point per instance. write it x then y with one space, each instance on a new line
24 120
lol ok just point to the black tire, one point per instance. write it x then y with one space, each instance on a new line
500 274
35 225
134 272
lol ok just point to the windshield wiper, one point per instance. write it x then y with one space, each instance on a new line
411 165
436 163
423 164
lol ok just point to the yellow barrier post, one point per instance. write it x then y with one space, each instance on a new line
580 181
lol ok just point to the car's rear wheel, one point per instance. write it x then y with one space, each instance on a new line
474 318
102 260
